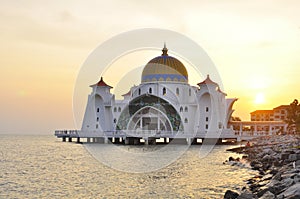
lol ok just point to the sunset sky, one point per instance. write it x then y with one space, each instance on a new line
255 46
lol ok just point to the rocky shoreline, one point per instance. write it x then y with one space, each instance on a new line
277 160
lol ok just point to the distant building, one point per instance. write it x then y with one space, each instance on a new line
277 114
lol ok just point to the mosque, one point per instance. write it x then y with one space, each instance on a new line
163 105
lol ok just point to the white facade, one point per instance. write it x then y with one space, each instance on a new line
164 103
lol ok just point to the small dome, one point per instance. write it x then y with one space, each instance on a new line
164 68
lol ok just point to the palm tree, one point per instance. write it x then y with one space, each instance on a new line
293 117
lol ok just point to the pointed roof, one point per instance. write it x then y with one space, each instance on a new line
128 93
208 81
221 91
101 83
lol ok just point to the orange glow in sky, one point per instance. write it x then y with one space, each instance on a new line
254 44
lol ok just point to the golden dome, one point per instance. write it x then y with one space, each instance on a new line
164 68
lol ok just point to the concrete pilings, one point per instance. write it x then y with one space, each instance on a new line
143 140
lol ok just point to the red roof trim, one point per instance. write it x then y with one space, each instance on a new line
222 91
101 83
207 81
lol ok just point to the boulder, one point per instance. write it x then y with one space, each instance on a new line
267 158
293 157
277 176
277 188
292 192
297 178
254 162
246 195
268 151
231 159
284 156
268 195
230 195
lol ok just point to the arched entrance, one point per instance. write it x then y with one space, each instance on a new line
149 118
150 112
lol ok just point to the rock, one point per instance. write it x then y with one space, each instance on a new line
230 195
254 187
274 171
288 182
268 151
297 178
284 156
268 195
257 166
277 188
254 162
267 158
277 176
292 192
293 157
262 191
231 159
246 195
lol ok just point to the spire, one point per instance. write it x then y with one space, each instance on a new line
208 81
101 83
165 50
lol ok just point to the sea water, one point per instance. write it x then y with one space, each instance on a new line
44 167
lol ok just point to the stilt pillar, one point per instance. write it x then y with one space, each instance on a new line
189 141
126 141
146 141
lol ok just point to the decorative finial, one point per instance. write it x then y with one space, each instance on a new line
165 50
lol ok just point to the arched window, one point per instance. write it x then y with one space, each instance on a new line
119 109
115 120
150 90
190 92
164 91
96 126
206 119
181 109
139 91
186 109
98 110
177 91
97 119
185 120
207 109
115 109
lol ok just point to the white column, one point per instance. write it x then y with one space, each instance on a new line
241 128
270 129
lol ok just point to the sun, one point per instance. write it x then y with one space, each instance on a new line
259 98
